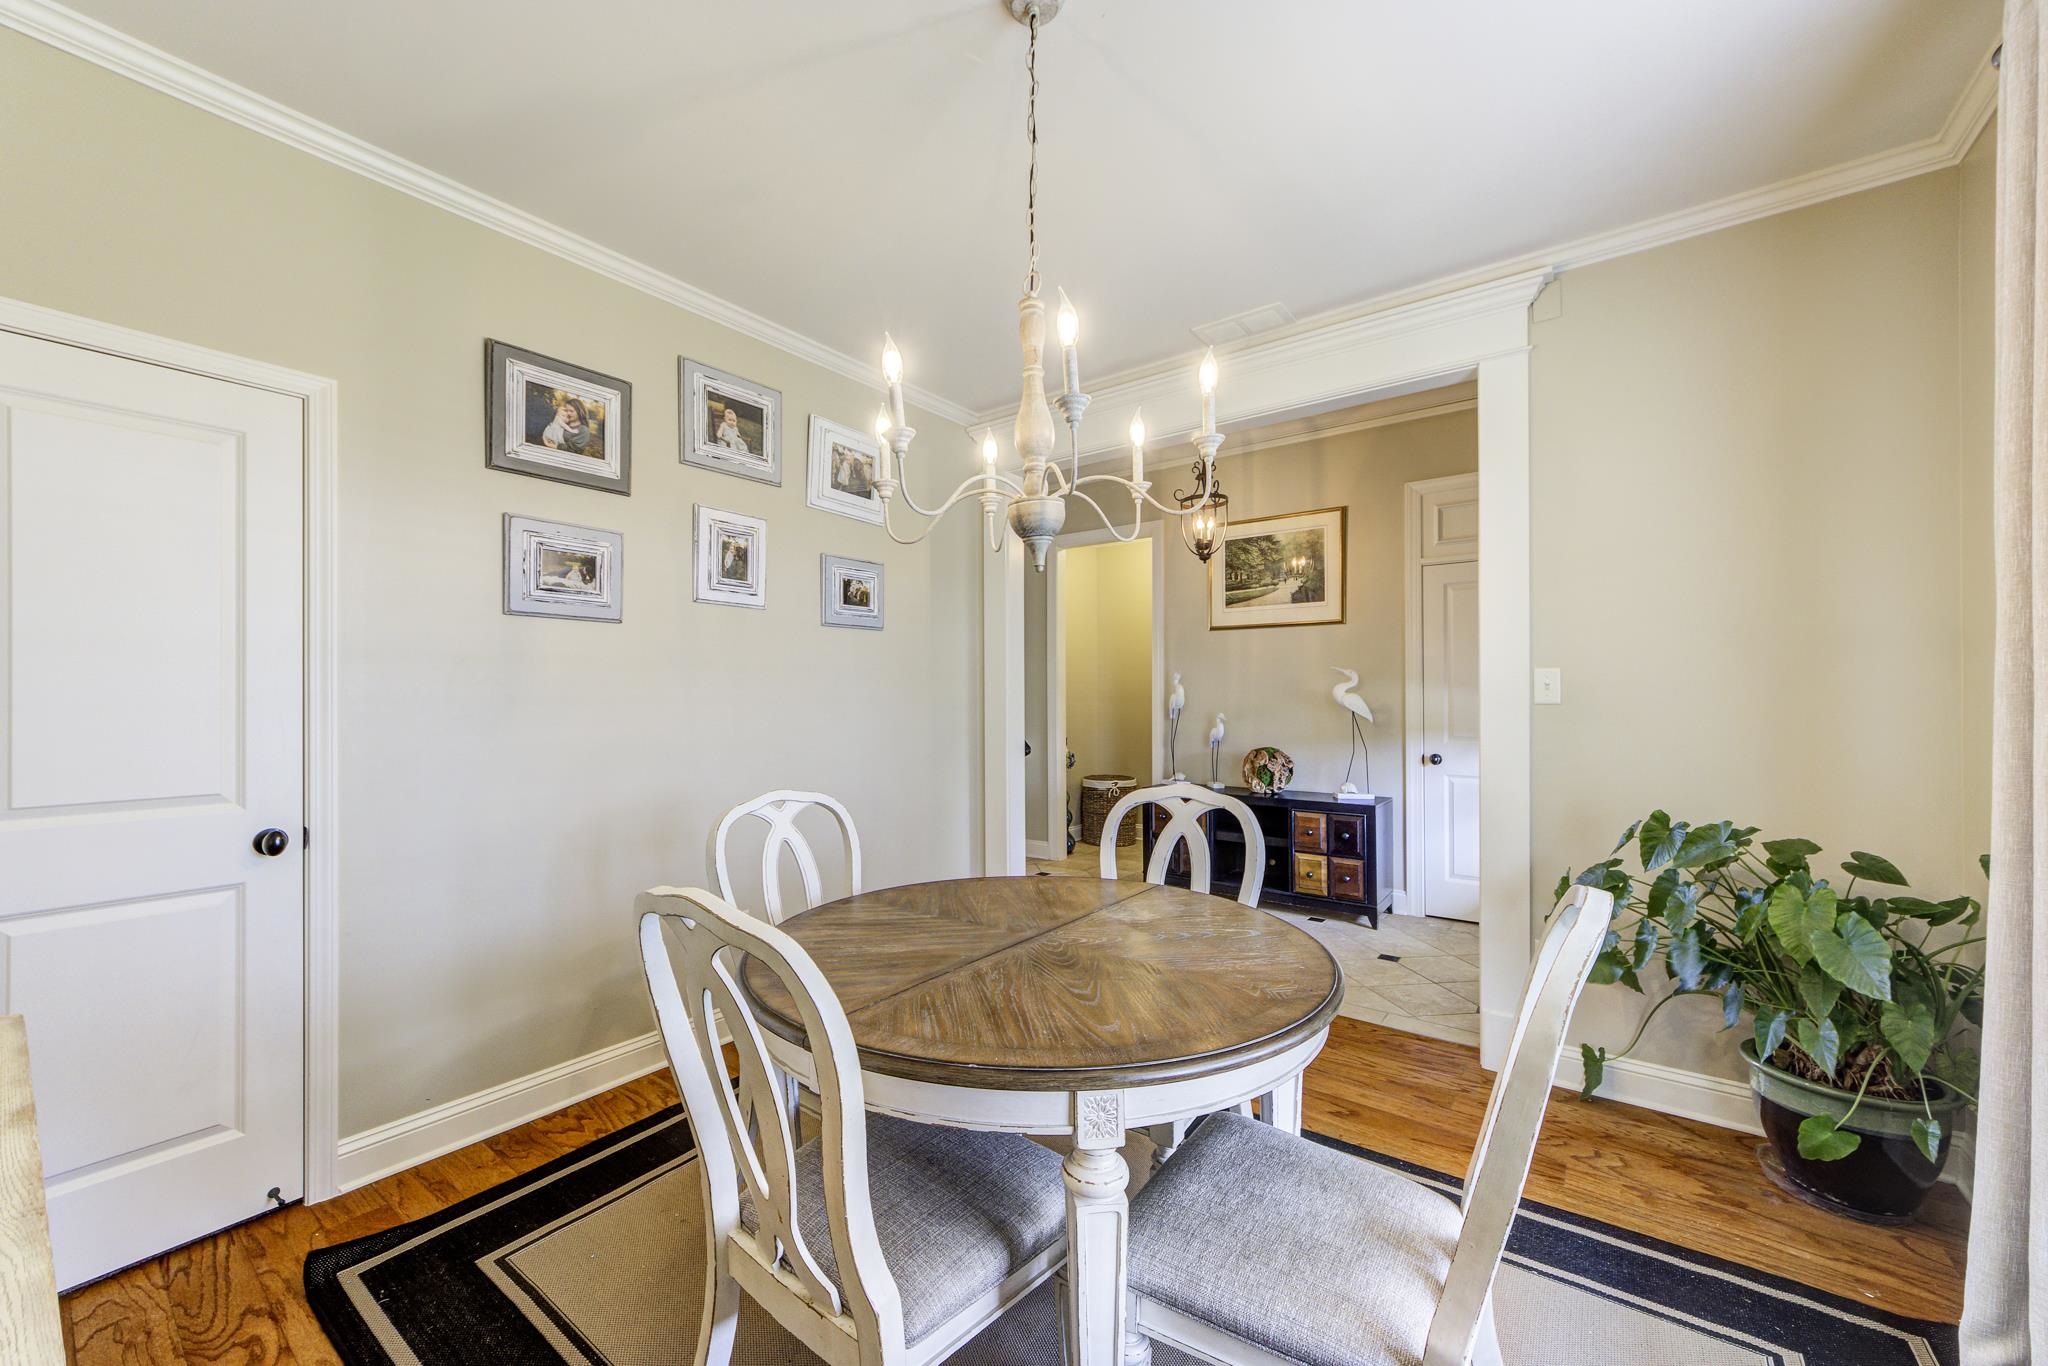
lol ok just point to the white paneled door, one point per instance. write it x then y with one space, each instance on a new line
151 751
1450 739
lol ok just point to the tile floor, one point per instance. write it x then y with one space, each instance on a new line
1413 973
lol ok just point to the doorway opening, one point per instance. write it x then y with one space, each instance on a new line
1094 621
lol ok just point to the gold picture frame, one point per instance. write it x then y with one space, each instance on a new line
1286 571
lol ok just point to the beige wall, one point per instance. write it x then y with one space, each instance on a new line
478 944
1273 685
1759 504
1106 619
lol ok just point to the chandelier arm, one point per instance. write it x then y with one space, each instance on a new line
966 486
1137 520
1207 490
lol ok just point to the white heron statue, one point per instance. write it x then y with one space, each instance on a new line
1216 754
1346 695
1176 703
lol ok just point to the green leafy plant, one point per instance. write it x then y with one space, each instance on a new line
1862 993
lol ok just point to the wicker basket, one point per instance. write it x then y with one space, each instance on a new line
1099 792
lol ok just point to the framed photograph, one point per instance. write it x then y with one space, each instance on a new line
553 570
554 420
852 592
842 471
1279 571
731 424
732 558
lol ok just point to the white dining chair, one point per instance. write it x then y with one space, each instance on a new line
778 811
878 1243
1254 1246
1185 804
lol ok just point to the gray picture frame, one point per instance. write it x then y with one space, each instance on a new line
511 373
838 578
554 569
707 394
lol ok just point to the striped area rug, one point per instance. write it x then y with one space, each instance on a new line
597 1257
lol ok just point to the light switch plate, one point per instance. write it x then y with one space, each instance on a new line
1549 687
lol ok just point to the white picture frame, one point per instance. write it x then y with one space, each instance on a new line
730 550
850 592
553 569
730 424
842 469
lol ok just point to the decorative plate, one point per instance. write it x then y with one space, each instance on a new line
1267 770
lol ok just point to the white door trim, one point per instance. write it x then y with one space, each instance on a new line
1482 331
322 673
1412 560
1056 674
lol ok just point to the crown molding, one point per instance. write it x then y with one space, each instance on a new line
87 38
1959 132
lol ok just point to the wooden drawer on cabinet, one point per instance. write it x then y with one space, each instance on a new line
1311 874
1347 836
1311 832
1347 878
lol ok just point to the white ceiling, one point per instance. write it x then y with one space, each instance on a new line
840 167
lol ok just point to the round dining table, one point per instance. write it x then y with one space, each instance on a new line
1066 1006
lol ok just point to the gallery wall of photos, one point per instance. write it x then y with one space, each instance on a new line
549 419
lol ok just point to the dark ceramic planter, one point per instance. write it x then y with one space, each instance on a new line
1886 1178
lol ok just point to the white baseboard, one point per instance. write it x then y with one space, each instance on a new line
1669 1090
374 1153
1041 849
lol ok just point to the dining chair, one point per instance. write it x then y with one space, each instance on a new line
878 1243
1185 804
778 811
1256 1246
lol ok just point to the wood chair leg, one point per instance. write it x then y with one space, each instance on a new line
1165 1138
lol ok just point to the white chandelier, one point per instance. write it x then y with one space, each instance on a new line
1036 499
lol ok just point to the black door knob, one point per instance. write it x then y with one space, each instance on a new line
1432 759
270 843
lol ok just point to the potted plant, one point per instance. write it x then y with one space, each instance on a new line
1856 1057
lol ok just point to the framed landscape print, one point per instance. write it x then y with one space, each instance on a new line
731 424
553 570
1279 571
732 558
852 592
554 420
842 471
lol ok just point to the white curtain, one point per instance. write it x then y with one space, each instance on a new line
2005 1299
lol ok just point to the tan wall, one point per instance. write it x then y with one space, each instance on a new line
1273 685
1106 617
1976 595
1753 531
478 945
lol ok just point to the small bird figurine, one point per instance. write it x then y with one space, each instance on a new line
1346 695
1176 700
1216 753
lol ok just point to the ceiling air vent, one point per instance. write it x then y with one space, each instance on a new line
1247 324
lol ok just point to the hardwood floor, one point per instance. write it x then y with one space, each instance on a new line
236 1297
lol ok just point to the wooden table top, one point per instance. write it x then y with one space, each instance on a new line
1057 983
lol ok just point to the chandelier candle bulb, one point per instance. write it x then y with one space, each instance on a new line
1138 447
1207 375
892 371
1070 335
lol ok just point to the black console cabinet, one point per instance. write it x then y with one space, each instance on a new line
1321 854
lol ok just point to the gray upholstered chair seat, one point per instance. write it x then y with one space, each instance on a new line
956 1212
1315 1255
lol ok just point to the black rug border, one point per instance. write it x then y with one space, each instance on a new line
1942 1337
346 1329
357 1344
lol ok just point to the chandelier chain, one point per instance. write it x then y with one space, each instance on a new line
1031 137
